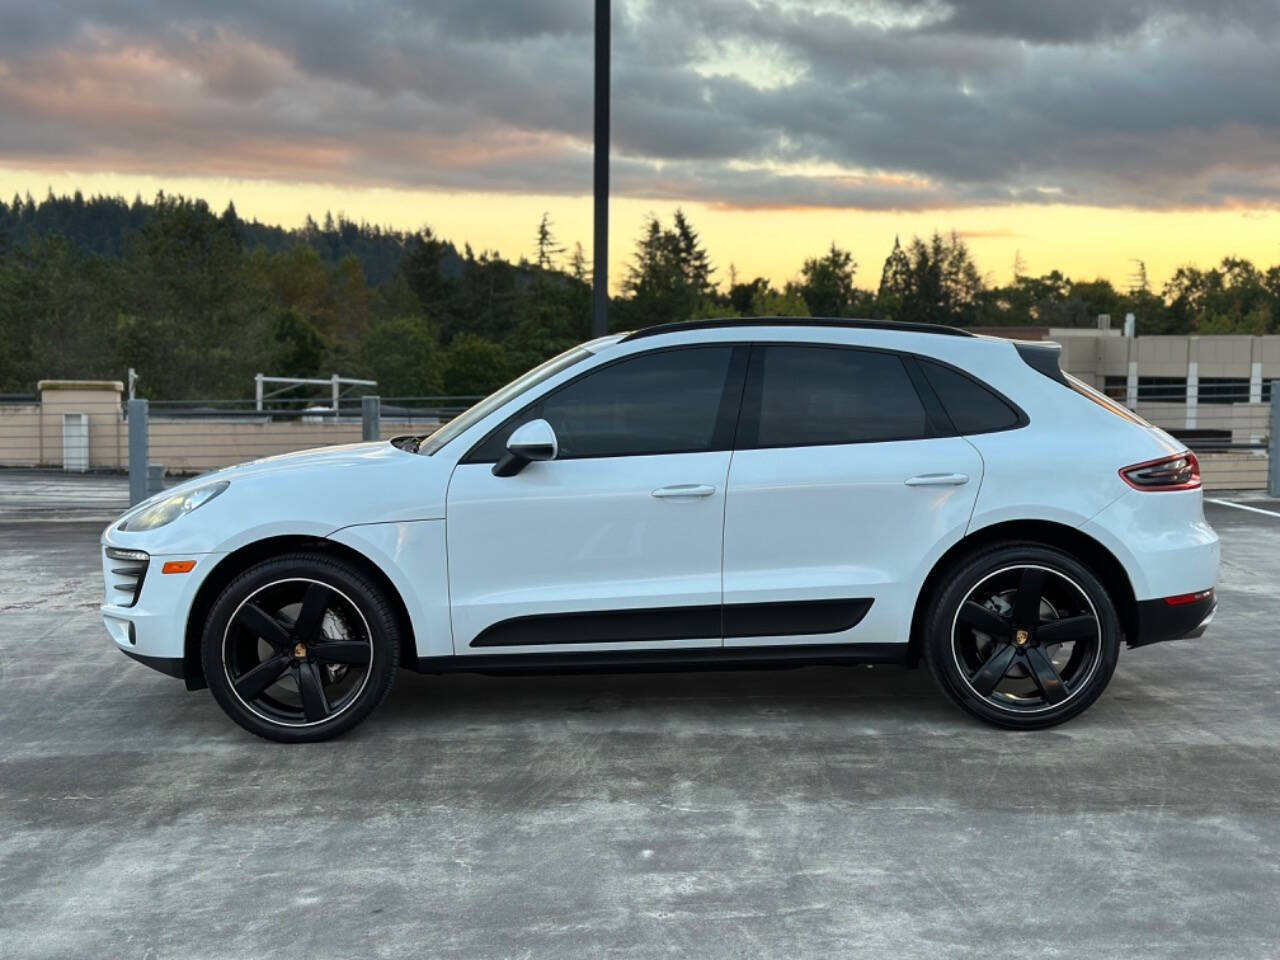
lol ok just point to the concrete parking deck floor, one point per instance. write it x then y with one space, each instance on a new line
811 813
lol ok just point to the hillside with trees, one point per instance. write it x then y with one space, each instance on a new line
198 301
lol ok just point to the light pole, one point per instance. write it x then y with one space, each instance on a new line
600 248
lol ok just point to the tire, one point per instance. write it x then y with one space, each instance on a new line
300 648
1022 635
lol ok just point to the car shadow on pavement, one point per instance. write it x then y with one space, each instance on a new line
870 693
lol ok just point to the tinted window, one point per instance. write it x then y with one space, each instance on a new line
972 407
662 402
819 395
666 402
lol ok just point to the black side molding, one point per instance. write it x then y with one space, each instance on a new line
668 661
793 617
605 626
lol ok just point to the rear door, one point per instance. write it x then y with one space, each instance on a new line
843 490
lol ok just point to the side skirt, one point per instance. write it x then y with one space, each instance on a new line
668 661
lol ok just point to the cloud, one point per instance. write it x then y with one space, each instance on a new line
907 105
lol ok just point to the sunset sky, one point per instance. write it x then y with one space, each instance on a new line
1073 134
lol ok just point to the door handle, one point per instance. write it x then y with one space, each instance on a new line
938 480
680 491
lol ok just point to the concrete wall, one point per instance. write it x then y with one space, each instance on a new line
1093 356
108 435
1248 423
193 446
20 434
1233 471
31 434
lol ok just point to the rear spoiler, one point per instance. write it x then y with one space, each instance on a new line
1043 357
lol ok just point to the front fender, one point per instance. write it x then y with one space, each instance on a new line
412 555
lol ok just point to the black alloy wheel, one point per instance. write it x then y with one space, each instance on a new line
300 648
1023 636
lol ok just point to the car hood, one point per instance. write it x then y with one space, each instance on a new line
342 456
311 492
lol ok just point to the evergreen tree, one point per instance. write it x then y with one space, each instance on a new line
578 264
669 277
827 283
694 263
895 276
548 249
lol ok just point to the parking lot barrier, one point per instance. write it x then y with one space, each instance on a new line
1273 445
370 417
137 413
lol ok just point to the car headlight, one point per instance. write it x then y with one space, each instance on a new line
168 509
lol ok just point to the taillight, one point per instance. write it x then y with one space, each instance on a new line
1178 472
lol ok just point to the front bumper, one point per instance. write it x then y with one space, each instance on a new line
1159 620
170 666
153 629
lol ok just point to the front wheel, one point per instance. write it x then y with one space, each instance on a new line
300 648
1022 636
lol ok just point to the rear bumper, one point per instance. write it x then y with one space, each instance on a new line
1158 620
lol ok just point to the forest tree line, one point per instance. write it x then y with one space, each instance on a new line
198 302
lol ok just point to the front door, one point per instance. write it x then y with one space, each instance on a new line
617 543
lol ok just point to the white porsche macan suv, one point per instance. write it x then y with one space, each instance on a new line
709 494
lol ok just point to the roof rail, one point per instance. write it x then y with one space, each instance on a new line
681 326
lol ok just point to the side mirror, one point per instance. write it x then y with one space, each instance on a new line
530 441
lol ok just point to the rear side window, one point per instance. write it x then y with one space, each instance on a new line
972 407
814 395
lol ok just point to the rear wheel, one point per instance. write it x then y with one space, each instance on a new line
300 648
1023 636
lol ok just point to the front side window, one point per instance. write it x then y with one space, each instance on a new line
667 401
814 395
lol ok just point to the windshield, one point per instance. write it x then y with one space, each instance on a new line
495 400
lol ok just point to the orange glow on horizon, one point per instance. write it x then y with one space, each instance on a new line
1083 242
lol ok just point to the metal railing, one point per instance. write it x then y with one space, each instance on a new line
1233 427
1231 431
339 388
191 437
1227 425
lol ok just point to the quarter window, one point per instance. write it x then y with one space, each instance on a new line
971 406
811 395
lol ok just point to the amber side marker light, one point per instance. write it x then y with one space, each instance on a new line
178 566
